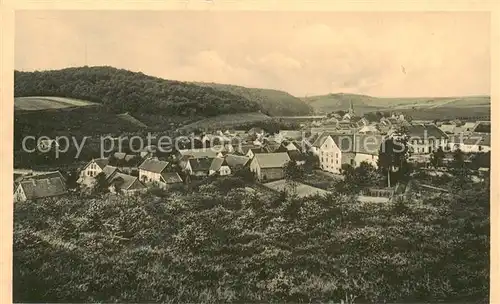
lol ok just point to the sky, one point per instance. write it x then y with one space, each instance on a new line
398 54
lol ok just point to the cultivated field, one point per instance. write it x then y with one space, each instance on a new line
34 103
227 121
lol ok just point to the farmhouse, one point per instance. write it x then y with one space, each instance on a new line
269 166
199 166
472 143
423 139
40 186
219 165
150 171
94 167
125 184
200 153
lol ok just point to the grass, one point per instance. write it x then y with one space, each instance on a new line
302 190
35 103
364 104
226 121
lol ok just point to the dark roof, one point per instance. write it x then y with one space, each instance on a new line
420 131
109 171
52 174
171 177
38 188
153 165
295 155
125 181
201 164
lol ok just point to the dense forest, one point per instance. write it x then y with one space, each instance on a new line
223 243
125 91
273 102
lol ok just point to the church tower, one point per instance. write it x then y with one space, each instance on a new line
351 109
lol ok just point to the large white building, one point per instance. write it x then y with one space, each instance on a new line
353 149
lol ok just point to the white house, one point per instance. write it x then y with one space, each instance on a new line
219 165
94 167
338 149
423 139
40 186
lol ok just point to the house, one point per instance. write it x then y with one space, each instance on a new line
94 167
150 171
200 153
289 134
220 166
236 161
369 129
252 152
469 126
338 149
471 143
482 127
448 128
125 184
258 132
423 139
199 166
269 166
297 157
40 186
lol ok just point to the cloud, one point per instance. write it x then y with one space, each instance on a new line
443 53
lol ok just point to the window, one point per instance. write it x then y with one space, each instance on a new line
336 155
480 148
337 162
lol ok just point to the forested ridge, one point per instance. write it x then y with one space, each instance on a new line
121 90
125 91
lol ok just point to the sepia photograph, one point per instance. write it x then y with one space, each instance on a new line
209 156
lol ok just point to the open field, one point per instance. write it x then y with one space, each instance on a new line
35 103
302 190
226 121
420 106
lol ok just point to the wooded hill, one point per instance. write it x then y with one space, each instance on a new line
121 91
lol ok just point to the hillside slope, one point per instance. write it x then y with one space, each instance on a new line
125 91
421 106
272 102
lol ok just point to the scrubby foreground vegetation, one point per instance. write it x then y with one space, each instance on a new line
241 245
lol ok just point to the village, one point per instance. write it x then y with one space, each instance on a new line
323 146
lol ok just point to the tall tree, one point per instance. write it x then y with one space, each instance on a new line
437 157
393 159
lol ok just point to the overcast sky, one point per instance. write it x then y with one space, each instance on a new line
379 54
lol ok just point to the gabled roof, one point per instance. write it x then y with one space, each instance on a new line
46 187
171 177
296 155
153 165
367 144
52 174
125 181
109 171
199 153
420 131
291 134
447 128
200 164
216 164
469 126
272 160
100 162
236 160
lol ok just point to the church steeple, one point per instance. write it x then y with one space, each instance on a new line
351 109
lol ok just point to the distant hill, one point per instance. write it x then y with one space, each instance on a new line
272 102
421 107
